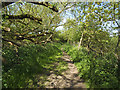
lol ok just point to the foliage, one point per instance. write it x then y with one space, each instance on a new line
99 71
32 60
27 27
29 22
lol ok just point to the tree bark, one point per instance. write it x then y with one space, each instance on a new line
80 41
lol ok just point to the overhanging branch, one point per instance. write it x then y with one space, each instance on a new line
46 4
6 3
6 16
33 36
11 42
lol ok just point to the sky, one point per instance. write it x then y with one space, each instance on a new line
69 15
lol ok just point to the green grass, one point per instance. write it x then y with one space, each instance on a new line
31 66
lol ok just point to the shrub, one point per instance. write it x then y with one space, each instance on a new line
29 61
98 71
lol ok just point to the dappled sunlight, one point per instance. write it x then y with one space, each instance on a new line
67 79
60 45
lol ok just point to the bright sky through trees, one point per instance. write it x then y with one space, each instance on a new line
108 24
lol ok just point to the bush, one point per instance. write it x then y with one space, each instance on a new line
23 66
97 71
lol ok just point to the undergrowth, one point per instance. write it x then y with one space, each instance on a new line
99 71
30 65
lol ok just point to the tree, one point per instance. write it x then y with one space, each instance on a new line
93 19
30 22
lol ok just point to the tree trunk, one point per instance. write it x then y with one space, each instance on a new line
74 43
80 41
118 53
118 49
68 41
118 39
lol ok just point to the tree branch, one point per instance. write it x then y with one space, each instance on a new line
11 42
6 3
46 4
6 16
65 8
117 23
33 36
6 29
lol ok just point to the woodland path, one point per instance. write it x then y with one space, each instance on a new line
68 78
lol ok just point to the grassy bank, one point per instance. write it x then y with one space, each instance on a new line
30 65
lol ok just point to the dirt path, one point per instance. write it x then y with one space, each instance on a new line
68 79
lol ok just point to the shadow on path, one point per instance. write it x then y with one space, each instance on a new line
68 79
